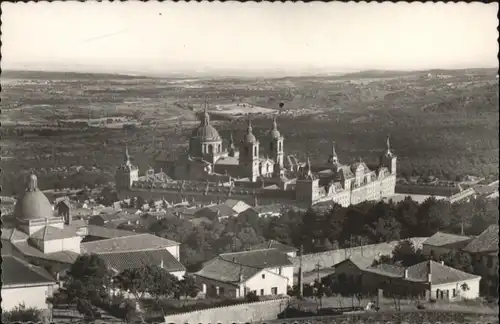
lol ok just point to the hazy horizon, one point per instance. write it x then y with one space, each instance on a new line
247 38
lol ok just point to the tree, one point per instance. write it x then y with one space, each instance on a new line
21 313
458 260
136 281
87 279
405 253
188 287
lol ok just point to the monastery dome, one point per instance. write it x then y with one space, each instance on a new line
275 133
250 138
33 204
206 133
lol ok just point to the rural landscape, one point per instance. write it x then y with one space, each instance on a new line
72 128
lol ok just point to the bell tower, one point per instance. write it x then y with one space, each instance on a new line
307 186
249 155
126 174
389 159
276 149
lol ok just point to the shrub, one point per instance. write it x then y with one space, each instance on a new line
252 297
21 313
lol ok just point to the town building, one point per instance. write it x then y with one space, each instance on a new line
256 171
441 244
263 272
273 244
24 283
273 210
483 250
44 239
425 280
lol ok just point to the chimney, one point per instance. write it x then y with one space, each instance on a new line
442 262
429 275
406 274
161 263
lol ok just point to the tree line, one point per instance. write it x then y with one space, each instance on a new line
326 228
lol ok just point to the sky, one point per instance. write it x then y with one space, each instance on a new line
154 37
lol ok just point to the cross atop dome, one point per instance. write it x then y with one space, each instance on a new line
32 182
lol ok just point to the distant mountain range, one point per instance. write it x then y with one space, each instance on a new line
54 75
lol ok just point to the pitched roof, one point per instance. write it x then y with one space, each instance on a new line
390 270
135 259
445 239
48 233
13 235
139 242
107 232
228 160
487 241
440 273
263 258
232 202
223 209
107 217
359 261
272 208
26 249
272 244
226 271
18 272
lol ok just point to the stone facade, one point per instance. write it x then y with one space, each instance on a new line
211 172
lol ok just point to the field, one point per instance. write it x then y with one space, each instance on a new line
443 123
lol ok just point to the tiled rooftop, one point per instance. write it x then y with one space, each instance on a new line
135 259
487 241
264 258
48 233
19 272
272 244
445 239
226 271
139 242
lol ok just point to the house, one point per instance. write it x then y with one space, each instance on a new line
219 212
102 219
431 279
237 205
489 191
120 261
264 272
351 268
483 250
441 243
23 283
136 249
272 244
274 210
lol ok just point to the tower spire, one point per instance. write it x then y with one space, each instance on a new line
206 116
388 143
127 155
275 124
249 129
334 153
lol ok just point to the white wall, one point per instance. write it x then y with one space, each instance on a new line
286 272
32 296
67 244
174 250
178 274
472 293
270 280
